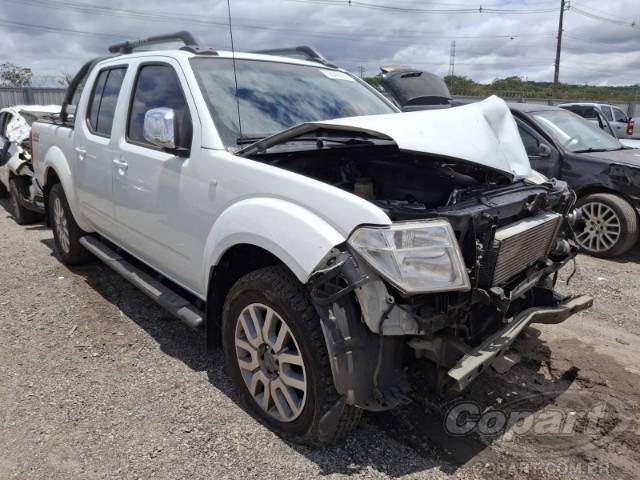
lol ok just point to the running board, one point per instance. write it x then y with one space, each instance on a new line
175 304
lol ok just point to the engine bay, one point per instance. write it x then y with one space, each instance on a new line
404 185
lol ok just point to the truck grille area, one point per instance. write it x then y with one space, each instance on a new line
518 246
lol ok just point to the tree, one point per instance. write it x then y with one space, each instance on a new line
66 79
13 76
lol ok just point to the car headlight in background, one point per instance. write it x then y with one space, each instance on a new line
415 257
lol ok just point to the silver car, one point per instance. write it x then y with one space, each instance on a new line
616 117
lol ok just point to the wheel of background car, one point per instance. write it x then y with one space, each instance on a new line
66 232
21 215
609 227
277 358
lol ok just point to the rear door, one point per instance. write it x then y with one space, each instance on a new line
619 123
94 148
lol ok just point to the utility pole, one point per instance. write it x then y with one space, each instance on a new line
556 74
452 59
361 68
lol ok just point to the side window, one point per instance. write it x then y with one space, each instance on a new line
586 112
158 86
104 100
530 142
96 96
619 115
606 111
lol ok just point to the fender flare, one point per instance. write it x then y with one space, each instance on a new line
56 160
294 234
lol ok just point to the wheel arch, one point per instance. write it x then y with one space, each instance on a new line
585 190
57 170
235 262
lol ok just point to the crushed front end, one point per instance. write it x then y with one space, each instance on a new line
452 286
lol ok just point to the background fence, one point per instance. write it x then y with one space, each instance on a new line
31 96
46 96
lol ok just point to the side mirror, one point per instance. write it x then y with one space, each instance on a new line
544 150
159 128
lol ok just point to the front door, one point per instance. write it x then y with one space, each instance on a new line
149 182
543 156
94 149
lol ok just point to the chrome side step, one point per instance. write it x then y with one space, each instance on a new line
172 302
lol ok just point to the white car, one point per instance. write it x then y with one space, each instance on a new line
16 173
328 256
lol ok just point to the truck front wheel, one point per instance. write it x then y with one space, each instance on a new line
277 358
66 232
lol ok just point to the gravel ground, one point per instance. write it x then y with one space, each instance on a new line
98 382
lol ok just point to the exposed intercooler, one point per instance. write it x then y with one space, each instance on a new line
518 246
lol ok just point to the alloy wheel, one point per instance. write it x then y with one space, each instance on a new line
270 362
61 225
601 228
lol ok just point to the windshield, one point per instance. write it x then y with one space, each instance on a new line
575 133
276 96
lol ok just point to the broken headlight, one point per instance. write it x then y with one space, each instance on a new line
415 257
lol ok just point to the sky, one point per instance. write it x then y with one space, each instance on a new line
57 36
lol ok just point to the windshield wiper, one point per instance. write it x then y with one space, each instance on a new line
592 150
249 139
343 141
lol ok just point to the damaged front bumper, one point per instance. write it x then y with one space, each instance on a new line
477 360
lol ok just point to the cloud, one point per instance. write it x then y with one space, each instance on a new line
487 46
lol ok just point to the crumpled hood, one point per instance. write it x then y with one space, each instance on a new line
482 133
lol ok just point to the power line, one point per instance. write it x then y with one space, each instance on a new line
66 31
602 18
395 8
171 18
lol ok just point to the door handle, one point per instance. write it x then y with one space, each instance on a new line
120 164
81 153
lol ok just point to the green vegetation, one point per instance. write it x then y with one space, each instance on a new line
13 76
515 87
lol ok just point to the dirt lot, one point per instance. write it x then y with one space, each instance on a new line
97 382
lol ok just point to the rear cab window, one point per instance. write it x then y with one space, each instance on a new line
606 111
619 115
104 98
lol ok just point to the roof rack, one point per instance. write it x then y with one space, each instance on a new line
190 43
307 53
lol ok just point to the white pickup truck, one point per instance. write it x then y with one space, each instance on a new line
329 257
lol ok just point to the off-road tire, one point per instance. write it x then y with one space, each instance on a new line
627 217
74 253
21 215
278 289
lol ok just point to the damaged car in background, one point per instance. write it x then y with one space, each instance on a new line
16 172
327 256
